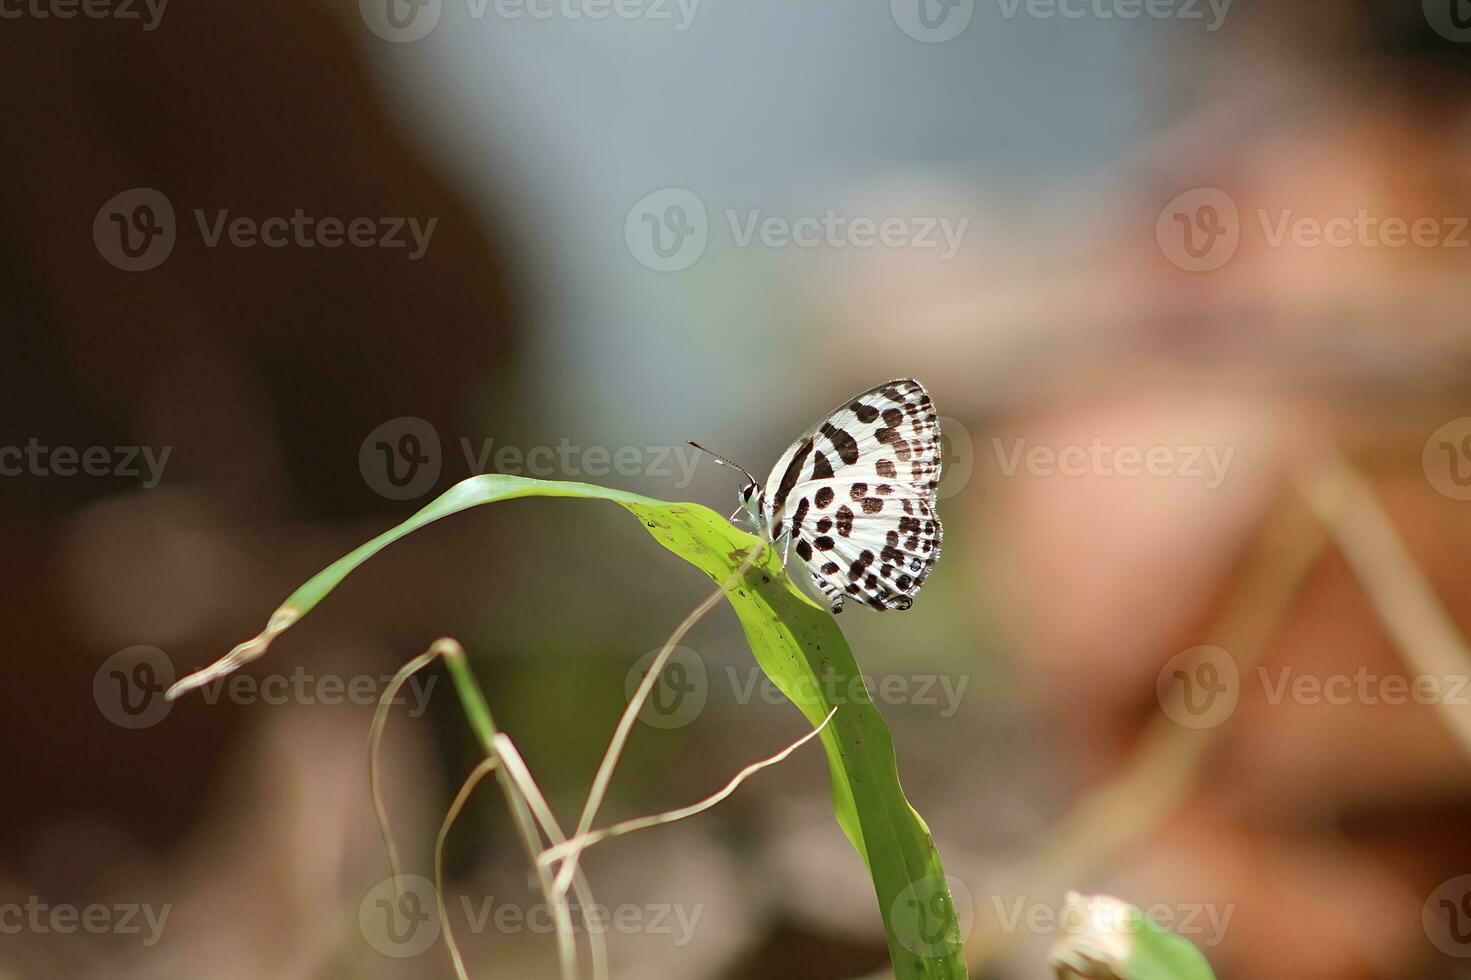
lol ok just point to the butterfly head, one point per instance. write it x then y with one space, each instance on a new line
750 494
750 497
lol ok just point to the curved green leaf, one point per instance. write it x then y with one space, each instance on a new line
798 645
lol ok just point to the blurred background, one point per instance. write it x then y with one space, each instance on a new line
1187 281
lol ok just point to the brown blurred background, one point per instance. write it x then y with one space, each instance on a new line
1118 183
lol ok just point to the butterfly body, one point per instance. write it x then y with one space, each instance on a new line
855 497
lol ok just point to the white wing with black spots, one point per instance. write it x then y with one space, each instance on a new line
856 494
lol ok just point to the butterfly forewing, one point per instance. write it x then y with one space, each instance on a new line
857 495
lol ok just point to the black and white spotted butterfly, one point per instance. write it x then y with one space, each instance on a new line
855 497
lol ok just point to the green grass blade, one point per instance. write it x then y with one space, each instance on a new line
798 645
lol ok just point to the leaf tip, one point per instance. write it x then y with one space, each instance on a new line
242 654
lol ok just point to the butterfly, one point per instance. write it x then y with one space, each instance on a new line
855 497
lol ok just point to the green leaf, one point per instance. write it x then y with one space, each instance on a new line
1106 938
798 645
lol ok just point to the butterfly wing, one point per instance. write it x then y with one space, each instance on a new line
857 494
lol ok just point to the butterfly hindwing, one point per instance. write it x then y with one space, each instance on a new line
879 562
856 493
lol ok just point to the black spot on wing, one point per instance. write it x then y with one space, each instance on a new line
821 468
845 520
845 444
865 413
892 438
799 515
823 497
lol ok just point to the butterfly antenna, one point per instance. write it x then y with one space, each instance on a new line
722 460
